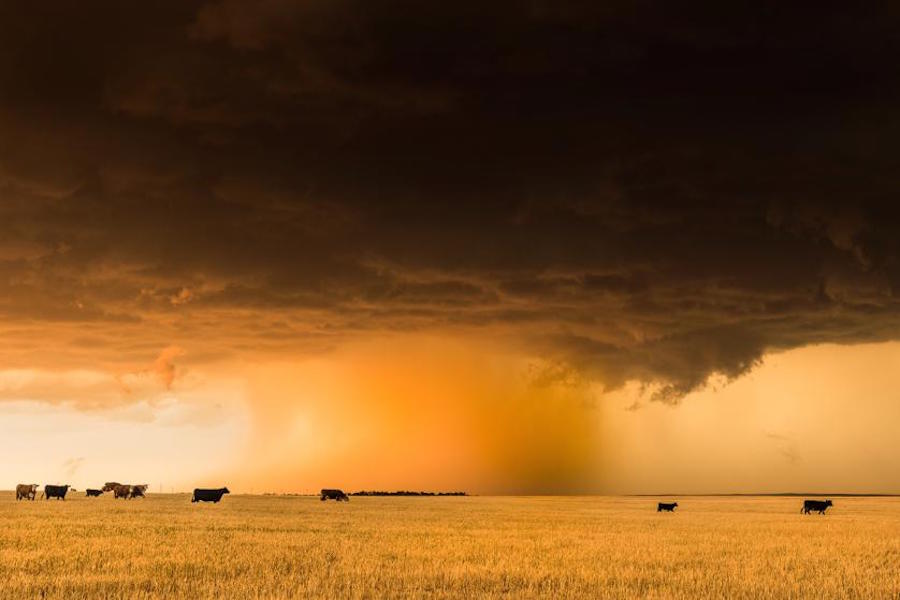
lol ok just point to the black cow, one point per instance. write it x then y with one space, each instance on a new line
55 491
90 493
201 495
818 506
329 494
666 506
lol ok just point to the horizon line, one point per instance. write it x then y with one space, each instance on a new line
572 495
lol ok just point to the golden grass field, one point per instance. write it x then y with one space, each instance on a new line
577 547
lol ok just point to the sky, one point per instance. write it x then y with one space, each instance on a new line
507 247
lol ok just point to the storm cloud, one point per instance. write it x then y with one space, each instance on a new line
635 192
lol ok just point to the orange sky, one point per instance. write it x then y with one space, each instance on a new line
445 413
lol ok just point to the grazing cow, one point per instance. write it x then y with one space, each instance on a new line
203 495
26 491
818 506
92 493
137 491
122 490
666 506
55 491
339 495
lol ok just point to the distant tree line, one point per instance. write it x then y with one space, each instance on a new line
373 493
406 493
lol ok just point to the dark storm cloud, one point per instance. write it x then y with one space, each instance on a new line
643 192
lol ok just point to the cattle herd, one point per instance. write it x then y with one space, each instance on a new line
28 491
819 506
125 491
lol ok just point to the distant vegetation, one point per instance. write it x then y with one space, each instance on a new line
374 493
406 493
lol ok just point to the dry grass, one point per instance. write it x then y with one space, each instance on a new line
591 547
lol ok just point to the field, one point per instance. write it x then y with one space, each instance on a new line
585 547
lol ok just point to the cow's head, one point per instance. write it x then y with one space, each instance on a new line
828 503
674 504
226 490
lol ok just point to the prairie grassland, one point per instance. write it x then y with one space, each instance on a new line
586 547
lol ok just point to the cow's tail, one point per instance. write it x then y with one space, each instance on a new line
42 495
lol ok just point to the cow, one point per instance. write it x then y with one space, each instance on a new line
204 495
666 506
330 494
110 486
122 490
55 491
90 493
137 491
26 491
818 506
